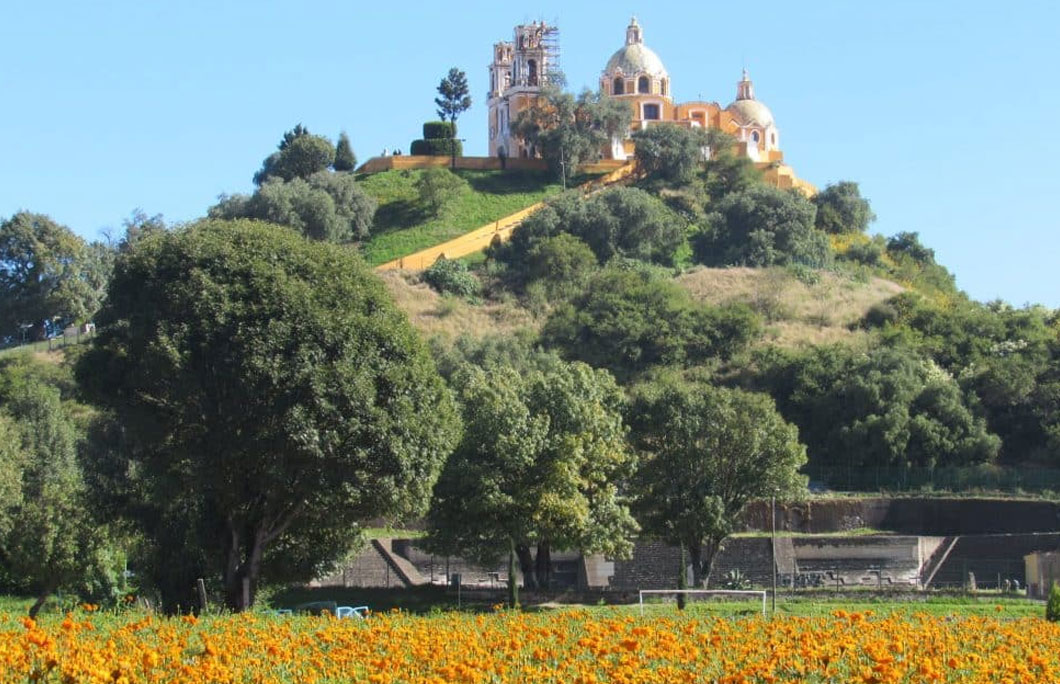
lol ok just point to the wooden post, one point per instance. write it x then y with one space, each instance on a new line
200 585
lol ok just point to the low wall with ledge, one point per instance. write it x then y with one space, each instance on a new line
400 162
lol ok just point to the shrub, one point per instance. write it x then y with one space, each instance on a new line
437 186
1052 608
452 277
439 130
441 147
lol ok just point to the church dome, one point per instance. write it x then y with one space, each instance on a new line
635 57
751 112
746 109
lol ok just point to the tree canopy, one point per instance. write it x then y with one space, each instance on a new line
300 155
542 463
45 274
617 222
326 206
567 131
272 396
842 209
627 320
670 152
889 407
705 453
762 226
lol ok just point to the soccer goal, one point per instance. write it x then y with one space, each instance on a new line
709 592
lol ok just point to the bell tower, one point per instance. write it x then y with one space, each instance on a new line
518 72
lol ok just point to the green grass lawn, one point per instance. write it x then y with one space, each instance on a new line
403 226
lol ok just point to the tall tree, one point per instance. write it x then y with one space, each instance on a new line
344 157
542 463
706 452
453 96
42 274
272 394
50 542
568 131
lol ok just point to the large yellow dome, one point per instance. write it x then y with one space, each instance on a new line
635 57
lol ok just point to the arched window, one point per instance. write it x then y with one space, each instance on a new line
665 86
754 136
773 138
619 87
643 85
531 77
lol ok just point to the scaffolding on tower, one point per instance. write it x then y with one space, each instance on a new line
550 45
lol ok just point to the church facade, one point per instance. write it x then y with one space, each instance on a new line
634 74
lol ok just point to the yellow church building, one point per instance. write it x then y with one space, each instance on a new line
635 74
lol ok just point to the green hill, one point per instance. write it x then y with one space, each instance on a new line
403 225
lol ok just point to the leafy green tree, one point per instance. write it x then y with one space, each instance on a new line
42 274
887 408
437 187
670 152
542 463
327 206
725 171
271 394
706 452
842 209
617 222
454 97
51 542
345 160
762 226
568 131
627 321
301 154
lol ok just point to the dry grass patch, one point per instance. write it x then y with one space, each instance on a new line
796 312
450 317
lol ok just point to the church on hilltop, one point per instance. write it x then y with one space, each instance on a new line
635 74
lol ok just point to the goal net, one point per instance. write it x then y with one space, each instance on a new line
708 594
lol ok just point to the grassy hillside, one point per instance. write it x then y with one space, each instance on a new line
434 314
403 226
815 307
797 312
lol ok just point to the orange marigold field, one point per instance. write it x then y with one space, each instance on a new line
569 647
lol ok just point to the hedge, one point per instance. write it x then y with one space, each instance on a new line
439 130
436 147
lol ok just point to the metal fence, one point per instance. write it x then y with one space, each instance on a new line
972 478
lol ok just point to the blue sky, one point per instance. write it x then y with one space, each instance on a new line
946 113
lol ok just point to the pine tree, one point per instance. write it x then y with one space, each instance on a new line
345 160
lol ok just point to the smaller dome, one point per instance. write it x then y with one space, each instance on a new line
751 112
